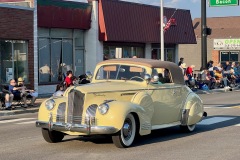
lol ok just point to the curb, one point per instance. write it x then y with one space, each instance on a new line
20 110
221 90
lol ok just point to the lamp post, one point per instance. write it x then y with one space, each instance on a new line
161 31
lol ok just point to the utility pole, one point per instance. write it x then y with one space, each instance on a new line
204 34
161 31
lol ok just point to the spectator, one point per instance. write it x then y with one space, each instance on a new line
7 97
227 66
74 80
68 79
189 71
210 64
32 94
208 79
181 61
16 91
59 90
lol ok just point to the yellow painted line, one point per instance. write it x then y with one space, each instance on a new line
236 107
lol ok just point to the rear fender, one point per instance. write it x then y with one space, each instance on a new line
192 111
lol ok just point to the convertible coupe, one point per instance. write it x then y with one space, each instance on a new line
126 98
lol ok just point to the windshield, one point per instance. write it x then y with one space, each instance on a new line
121 72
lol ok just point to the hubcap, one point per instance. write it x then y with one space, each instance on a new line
127 129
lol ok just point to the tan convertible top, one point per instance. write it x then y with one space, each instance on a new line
176 71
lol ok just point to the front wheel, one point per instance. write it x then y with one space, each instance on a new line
52 136
188 128
125 137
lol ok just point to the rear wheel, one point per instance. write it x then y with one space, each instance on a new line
52 136
188 128
125 137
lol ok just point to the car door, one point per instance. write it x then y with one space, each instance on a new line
167 101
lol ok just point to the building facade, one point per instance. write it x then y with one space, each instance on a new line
222 45
76 36
16 44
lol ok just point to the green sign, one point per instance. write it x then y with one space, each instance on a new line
219 3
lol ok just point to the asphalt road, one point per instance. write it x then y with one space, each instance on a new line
216 138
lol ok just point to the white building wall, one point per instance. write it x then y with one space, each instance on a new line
93 47
148 51
35 46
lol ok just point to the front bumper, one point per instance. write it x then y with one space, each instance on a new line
88 129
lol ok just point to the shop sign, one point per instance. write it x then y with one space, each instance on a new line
223 3
226 44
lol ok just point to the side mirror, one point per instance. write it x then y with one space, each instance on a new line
89 75
147 78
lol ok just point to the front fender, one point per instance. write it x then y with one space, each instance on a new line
43 113
193 110
118 110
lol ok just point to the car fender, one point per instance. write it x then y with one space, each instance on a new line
118 110
193 110
43 113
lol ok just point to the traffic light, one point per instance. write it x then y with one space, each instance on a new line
208 31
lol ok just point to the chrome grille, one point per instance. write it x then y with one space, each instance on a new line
61 112
75 106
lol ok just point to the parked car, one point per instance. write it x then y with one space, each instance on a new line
126 98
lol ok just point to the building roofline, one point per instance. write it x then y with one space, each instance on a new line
147 5
16 7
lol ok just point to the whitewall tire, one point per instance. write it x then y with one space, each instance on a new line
125 137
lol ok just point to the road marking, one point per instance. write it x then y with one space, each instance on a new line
236 107
219 107
214 120
16 120
224 107
29 122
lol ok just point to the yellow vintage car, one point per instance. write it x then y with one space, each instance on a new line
126 98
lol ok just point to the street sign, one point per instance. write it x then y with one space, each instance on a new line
223 3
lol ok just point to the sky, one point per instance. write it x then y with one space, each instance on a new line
193 5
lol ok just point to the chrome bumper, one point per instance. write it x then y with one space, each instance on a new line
88 129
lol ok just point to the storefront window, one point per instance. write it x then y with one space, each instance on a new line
111 52
56 53
13 60
55 59
231 56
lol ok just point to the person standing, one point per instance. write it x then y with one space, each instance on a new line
68 79
181 61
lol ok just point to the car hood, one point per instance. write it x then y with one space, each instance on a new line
109 87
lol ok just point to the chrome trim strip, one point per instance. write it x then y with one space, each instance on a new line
77 128
165 125
143 89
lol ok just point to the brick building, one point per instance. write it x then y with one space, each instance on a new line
65 35
16 43
222 45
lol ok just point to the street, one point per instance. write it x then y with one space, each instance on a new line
215 138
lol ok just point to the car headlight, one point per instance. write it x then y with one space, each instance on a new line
103 108
49 104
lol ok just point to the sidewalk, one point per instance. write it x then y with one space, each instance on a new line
218 90
21 110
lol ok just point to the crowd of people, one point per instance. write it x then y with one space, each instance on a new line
226 75
69 81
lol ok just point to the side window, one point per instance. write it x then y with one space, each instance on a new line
163 75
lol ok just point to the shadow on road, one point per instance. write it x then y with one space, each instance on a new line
163 135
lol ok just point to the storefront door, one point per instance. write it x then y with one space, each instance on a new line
79 62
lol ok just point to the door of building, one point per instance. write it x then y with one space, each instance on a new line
79 62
